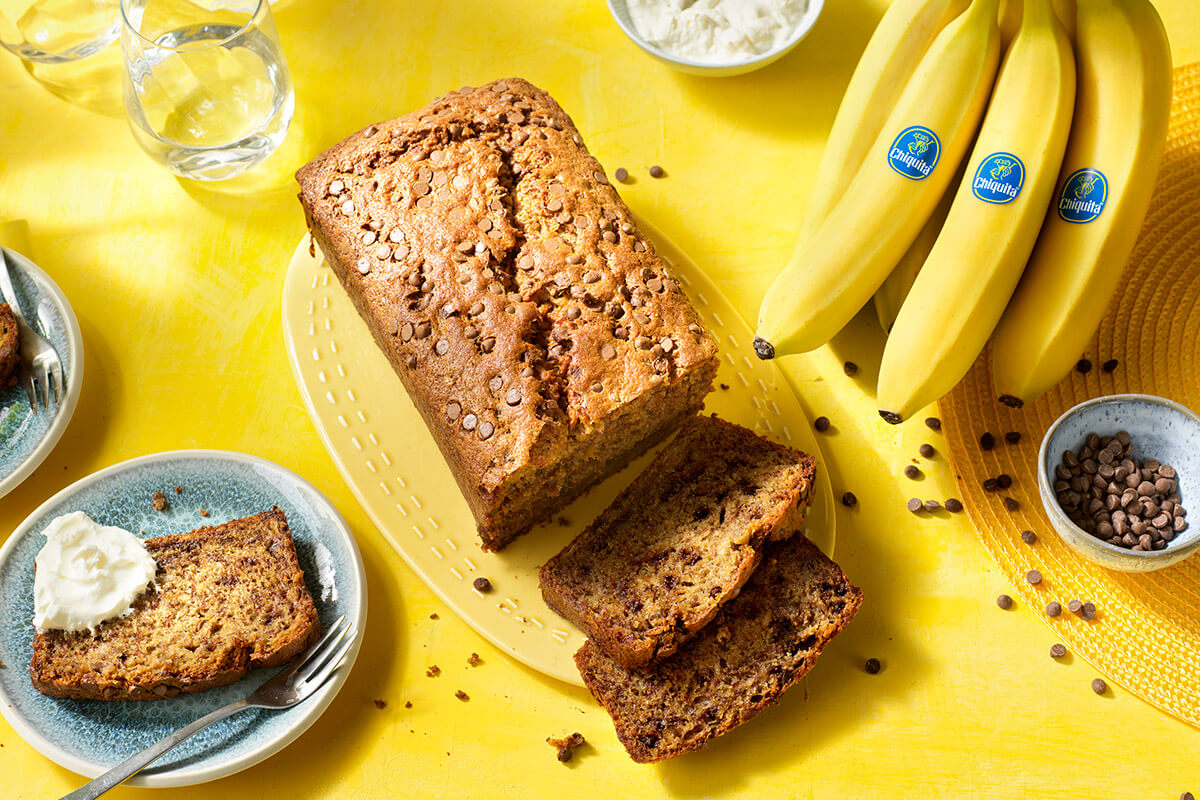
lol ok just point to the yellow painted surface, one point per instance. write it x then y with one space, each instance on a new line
178 286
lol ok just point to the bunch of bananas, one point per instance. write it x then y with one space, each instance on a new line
996 195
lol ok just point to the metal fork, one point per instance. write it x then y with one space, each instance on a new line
291 685
40 364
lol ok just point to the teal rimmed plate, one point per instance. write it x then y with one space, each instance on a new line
27 438
90 736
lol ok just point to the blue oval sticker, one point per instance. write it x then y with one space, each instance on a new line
915 153
999 178
1083 196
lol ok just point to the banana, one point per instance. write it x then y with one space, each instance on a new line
1121 114
903 35
993 223
891 294
833 272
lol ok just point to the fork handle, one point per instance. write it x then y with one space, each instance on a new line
136 763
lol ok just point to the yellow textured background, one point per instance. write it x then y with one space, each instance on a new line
177 290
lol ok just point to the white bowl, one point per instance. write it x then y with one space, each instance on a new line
1161 429
620 13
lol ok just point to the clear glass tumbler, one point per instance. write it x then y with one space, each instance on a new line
58 31
207 89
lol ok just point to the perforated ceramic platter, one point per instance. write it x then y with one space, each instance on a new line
91 736
384 451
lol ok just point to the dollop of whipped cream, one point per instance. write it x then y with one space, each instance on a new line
716 31
87 573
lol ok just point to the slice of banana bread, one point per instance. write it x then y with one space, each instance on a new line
758 646
680 540
226 599
9 346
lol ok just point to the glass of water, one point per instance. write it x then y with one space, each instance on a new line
207 89
58 31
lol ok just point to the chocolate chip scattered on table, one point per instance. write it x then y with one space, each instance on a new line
954 505
821 424
926 450
933 423
850 368
482 585
1028 537
912 472
849 500
1099 686
1125 501
1053 608
1058 650
872 666
1004 601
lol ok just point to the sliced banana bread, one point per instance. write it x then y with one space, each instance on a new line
9 346
680 540
227 598
758 646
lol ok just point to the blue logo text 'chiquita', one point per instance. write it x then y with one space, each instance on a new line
915 153
1083 196
999 178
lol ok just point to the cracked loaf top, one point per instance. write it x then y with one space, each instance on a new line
501 273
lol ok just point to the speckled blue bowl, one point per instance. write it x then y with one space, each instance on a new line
1161 429
90 736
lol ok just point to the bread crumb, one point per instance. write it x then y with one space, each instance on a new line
461 695
563 521
159 501
178 490
408 704
724 387
381 704
433 615
565 746
433 671
203 513
474 660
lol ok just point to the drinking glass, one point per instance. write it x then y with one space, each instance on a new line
58 31
207 89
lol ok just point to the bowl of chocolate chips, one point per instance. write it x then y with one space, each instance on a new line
1115 475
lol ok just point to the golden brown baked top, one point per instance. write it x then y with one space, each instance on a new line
511 278
227 598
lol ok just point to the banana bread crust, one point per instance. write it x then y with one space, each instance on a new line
227 599
9 346
680 541
539 334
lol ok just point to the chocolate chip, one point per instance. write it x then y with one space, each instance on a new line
621 174
1012 437
336 187
915 505
482 585
1004 481
1028 537
990 485
1074 605
486 429
1011 504
821 424
1004 601
442 347
932 505
926 451
608 352
513 398
1088 610
469 422
872 666
954 505
850 368
933 423
1110 365
1058 650
912 472
1099 686
657 172
461 695
987 441
565 754
849 500
1053 608
1083 366
1033 576
453 410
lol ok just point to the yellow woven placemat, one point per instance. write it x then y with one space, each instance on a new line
1146 634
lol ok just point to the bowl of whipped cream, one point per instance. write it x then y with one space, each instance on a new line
716 37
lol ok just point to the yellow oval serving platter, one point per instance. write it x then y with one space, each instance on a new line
382 448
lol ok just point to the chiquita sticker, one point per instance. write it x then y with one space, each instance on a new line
999 178
1083 196
915 153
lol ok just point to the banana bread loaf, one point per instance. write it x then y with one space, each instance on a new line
680 541
758 646
9 346
226 599
540 335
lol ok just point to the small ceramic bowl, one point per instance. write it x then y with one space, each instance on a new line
620 13
1162 430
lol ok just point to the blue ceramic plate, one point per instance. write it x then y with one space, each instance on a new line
27 438
90 736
